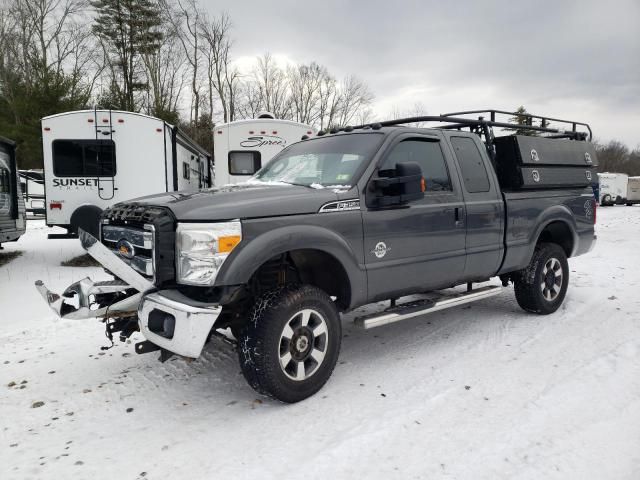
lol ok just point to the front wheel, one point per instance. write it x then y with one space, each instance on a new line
542 285
290 344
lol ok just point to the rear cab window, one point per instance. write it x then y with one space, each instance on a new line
84 158
472 167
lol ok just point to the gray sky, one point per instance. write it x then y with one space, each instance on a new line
568 59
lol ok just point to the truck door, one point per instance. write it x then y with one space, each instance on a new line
484 208
419 245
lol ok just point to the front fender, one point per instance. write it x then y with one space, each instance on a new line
249 256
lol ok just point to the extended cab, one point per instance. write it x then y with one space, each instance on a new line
337 221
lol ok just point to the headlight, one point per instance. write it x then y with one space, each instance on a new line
201 248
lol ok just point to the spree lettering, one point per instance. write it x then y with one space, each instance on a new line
75 182
262 140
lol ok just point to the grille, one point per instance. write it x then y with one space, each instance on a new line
133 245
133 214
149 231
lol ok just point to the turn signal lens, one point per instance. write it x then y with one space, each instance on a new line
226 244
423 185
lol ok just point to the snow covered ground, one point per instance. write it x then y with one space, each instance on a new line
485 391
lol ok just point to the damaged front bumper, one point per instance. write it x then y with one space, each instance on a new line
166 318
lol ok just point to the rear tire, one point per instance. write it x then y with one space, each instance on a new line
290 344
541 286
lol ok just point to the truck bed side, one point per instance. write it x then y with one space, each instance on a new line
567 215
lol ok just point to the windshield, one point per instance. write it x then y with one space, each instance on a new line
321 162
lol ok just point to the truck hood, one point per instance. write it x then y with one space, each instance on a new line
242 201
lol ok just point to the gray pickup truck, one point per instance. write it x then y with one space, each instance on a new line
346 218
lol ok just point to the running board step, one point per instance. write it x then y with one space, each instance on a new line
422 307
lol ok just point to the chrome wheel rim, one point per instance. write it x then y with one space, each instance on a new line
303 344
552 276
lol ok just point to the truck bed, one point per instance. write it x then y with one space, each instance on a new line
528 212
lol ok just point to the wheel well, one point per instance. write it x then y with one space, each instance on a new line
309 266
558 233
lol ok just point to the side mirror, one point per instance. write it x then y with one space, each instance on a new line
405 186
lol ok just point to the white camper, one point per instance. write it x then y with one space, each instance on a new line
242 147
95 158
633 191
613 188
32 184
12 213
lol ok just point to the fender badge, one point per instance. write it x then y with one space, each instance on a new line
380 250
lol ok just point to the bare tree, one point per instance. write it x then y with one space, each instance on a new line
329 101
249 102
45 67
273 87
186 18
223 78
355 95
305 83
166 78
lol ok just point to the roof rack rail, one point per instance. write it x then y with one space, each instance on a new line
529 117
481 124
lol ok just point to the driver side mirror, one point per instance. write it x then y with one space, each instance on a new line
406 185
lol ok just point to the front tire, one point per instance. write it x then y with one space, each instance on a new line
541 287
290 344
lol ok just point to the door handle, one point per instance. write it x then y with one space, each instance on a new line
457 213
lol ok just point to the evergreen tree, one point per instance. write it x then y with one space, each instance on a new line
522 117
128 29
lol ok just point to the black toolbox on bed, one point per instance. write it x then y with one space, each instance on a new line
529 162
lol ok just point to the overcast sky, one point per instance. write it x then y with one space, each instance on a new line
568 59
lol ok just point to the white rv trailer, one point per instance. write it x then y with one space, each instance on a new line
96 158
32 184
242 147
633 191
613 188
12 212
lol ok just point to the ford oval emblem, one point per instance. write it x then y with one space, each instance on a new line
125 249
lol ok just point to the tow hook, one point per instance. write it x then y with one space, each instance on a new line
148 347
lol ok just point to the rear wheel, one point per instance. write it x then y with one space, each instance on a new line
542 285
290 345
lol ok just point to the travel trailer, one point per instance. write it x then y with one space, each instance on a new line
12 212
613 188
242 147
32 185
633 191
96 158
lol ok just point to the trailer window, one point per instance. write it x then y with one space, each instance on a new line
5 188
84 158
244 162
186 171
5 180
473 170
